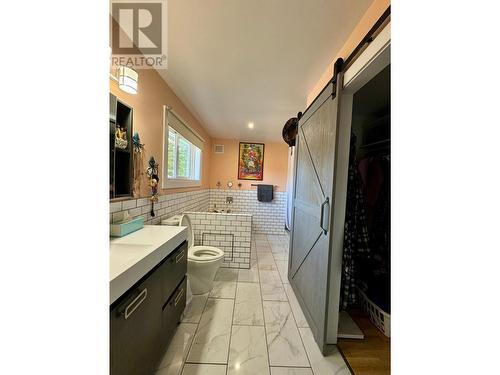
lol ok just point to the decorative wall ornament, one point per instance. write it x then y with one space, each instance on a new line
251 161
152 173
138 156
136 142
290 130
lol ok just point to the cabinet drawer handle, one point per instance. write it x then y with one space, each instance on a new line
178 297
179 257
136 303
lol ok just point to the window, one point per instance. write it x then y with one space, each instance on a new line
182 157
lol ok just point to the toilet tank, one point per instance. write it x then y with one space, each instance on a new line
176 220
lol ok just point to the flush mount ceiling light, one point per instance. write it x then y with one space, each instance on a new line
127 79
250 125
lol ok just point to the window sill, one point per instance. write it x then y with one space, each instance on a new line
173 184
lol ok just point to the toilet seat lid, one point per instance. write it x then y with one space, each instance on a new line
186 222
204 253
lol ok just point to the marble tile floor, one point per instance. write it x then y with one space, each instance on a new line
249 324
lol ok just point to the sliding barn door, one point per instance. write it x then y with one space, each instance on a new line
310 257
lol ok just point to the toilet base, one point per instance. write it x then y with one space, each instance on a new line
201 275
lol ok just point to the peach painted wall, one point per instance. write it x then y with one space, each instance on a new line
224 167
371 16
153 93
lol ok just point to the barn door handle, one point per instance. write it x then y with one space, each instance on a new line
325 215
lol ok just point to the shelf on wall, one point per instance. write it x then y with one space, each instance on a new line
121 160
124 150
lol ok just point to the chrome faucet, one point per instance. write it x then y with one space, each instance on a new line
229 200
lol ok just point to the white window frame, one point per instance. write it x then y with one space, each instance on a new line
179 182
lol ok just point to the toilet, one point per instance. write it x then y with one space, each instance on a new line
203 261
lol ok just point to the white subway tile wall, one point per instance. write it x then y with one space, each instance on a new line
249 216
231 233
267 217
167 205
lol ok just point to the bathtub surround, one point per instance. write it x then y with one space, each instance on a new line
267 218
228 232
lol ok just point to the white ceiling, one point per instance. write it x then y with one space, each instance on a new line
238 61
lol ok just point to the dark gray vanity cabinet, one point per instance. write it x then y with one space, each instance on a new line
135 328
143 320
171 312
173 270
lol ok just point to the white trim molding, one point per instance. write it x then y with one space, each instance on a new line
185 131
170 183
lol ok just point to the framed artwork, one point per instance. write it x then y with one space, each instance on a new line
251 161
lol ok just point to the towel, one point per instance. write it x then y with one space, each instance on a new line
264 193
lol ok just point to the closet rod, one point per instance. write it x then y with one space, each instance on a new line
378 143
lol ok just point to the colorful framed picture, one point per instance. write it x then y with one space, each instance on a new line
251 161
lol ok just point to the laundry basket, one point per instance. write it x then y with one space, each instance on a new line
379 317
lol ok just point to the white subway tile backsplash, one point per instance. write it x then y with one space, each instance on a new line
115 207
127 205
142 202
135 211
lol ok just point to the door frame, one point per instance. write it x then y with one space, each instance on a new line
366 66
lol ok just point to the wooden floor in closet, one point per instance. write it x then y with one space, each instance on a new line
371 356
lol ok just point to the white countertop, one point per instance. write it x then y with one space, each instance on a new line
133 256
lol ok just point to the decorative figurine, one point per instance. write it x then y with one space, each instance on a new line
121 138
152 173
136 142
152 167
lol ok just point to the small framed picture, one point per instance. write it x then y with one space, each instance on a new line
251 161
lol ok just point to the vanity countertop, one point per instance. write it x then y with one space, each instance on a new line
133 256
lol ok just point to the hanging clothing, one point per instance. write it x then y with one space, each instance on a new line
379 278
356 241
372 179
374 272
